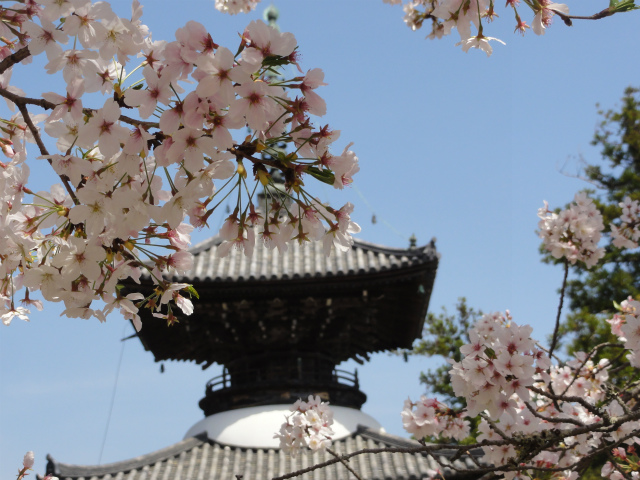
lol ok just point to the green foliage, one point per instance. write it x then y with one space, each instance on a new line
443 335
591 292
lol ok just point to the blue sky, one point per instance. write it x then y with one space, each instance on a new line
456 146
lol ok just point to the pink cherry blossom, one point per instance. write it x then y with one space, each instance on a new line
544 15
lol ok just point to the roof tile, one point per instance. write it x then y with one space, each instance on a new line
299 261
203 459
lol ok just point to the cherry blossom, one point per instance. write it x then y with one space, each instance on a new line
158 90
627 234
573 233
481 42
308 426
544 15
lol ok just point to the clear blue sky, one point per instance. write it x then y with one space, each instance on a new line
452 145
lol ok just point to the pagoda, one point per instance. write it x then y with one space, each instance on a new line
280 324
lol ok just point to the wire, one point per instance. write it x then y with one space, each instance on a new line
376 216
113 397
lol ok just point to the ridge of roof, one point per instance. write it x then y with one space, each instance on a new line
428 249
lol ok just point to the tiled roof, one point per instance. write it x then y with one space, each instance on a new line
301 261
203 459
344 305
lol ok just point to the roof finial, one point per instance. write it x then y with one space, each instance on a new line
413 241
270 15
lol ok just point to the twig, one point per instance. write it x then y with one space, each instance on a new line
572 421
43 150
344 462
270 163
554 340
596 16
567 398
494 427
14 58
47 105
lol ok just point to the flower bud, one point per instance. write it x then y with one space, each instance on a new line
28 459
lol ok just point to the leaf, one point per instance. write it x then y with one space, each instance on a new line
192 291
622 6
324 176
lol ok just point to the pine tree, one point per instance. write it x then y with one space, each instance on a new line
591 292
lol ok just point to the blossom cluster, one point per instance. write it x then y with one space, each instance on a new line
510 382
464 15
431 418
128 184
500 361
448 14
308 426
626 326
573 233
236 6
627 234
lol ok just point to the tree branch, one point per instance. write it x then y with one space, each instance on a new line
344 462
43 150
572 421
554 340
596 16
565 398
14 58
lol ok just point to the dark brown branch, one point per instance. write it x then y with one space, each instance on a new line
344 462
133 121
14 58
596 16
567 398
572 421
238 152
494 427
554 340
335 460
47 105
43 150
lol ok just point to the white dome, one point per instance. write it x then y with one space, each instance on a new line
254 427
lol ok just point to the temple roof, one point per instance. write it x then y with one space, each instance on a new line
345 305
301 261
201 458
